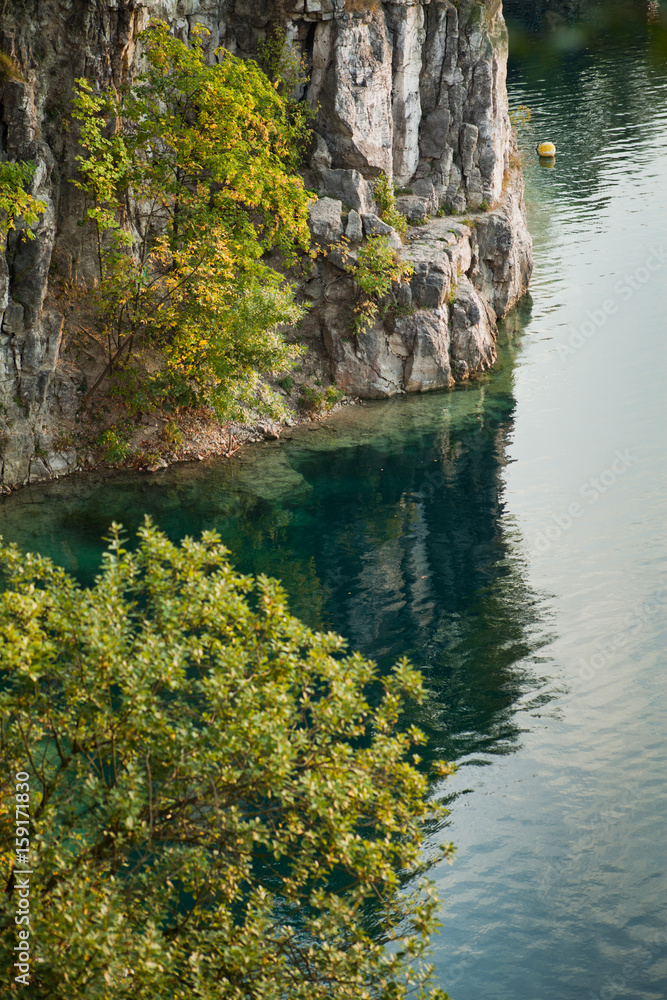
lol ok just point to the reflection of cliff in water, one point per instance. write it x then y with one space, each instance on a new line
385 525
412 557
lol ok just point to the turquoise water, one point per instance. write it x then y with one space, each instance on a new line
510 538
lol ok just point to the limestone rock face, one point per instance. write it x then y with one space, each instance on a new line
354 231
351 83
412 88
505 259
440 327
472 330
428 366
50 44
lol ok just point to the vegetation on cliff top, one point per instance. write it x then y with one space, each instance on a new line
223 802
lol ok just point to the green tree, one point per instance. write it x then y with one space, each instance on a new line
190 177
223 803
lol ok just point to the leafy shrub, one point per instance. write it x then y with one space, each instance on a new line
113 444
378 266
385 196
283 62
334 395
171 433
15 199
313 399
224 803
9 69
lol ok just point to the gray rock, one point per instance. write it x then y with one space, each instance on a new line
320 158
4 282
354 231
428 365
394 240
411 88
61 462
348 186
325 220
472 330
371 366
424 188
505 258
39 470
12 321
342 257
467 146
433 132
351 81
374 226
414 208
406 31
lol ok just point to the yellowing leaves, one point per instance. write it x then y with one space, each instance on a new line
16 201
206 156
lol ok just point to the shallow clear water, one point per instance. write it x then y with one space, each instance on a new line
510 538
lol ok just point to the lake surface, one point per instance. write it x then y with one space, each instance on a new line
510 537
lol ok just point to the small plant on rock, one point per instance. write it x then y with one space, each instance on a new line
16 201
385 196
172 434
333 395
378 267
316 400
113 444
284 64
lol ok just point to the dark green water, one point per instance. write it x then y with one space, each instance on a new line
509 537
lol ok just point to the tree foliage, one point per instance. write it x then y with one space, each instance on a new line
283 62
224 804
16 201
190 176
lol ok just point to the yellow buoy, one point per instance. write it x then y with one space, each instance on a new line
546 149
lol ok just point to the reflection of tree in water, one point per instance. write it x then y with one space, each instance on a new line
550 16
592 52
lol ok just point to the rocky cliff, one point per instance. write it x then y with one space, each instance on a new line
412 89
